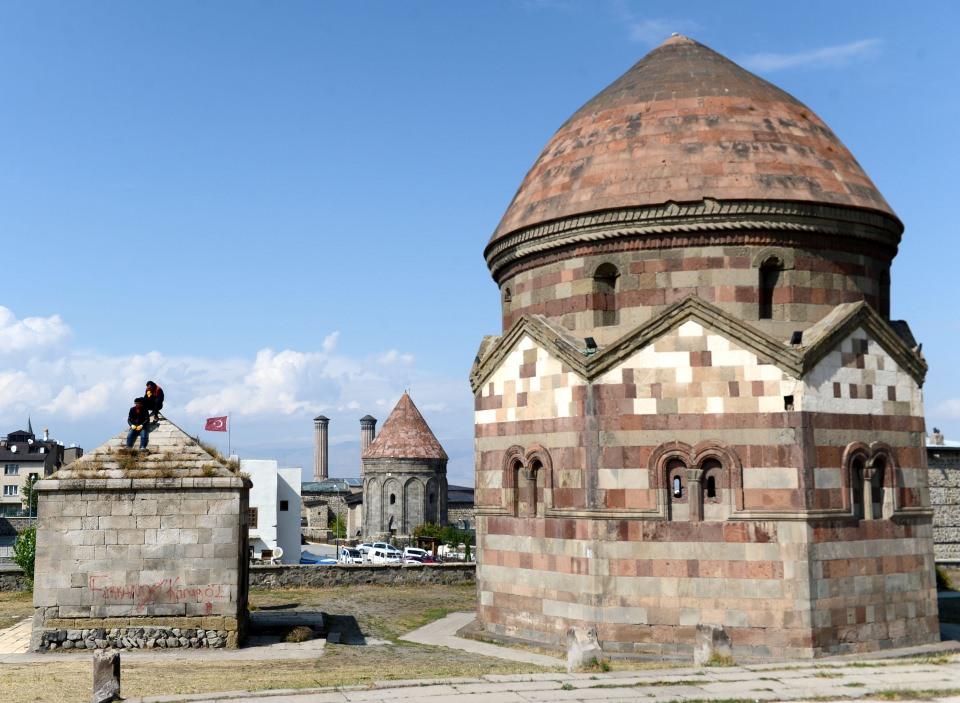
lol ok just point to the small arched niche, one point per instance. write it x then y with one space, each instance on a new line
771 271
605 308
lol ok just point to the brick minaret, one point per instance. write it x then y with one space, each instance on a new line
321 468
368 430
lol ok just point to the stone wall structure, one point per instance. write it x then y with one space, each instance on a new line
699 412
142 549
404 475
943 458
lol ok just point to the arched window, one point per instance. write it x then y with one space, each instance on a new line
605 295
879 468
857 466
710 488
679 504
535 506
393 499
507 295
769 278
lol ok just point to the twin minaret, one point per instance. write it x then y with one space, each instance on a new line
321 456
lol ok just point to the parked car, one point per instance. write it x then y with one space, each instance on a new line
384 545
385 556
307 558
364 550
349 555
414 552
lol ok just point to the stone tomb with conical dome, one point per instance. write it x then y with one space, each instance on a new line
699 411
142 549
404 475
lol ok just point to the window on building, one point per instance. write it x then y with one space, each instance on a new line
507 295
711 487
252 517
605 295
677 487
11 490
11 469
856 489
284 505
393 499
769 278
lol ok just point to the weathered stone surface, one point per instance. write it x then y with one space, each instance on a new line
583 649
106 677
712 645
295 576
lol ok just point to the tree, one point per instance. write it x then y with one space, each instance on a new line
339 527
25 552
30 495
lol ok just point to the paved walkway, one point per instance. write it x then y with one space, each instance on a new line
16 639
864 680
443 632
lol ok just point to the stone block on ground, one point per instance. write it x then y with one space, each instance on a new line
106 677
712 645
583 648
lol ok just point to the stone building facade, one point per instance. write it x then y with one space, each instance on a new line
699 411
142 549
404 475
943 460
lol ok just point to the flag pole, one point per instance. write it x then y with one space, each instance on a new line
229 428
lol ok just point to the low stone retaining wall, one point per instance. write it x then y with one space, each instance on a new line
12 578
133 638
307 575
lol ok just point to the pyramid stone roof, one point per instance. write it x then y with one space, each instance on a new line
171 453
684 124
405 435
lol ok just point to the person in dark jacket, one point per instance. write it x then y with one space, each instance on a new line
137 418
153 399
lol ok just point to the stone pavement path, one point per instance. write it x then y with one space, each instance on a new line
864 681
443 632
16 639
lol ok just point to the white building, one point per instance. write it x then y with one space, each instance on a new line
274 508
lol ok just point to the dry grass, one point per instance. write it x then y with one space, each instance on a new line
382 612
14 607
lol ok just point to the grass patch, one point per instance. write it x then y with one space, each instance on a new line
854 684
14 607
720 660
921 694
828 675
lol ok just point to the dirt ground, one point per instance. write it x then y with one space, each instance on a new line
14 607
382 613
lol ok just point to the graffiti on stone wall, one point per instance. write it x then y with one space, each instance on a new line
167 590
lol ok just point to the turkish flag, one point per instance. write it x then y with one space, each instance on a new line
216 424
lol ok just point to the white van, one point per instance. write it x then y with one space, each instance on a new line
384 556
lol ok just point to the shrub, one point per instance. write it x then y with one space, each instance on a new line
300 633
25 552
943 580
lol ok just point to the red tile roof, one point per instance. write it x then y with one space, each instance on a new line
405 435
683 124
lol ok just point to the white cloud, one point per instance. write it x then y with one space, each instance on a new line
824 57
393 357
330 341
76 404
30 333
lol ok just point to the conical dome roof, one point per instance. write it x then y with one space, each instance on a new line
405 435
681 125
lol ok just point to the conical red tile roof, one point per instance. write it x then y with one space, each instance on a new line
405 435
683 124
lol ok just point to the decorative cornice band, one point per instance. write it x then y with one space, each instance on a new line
709 218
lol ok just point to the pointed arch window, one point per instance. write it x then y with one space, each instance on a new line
770 272
605 295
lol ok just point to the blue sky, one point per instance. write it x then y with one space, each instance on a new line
279 209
